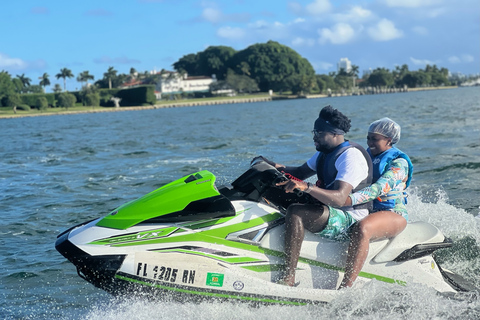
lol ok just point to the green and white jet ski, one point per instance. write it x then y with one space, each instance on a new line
190 240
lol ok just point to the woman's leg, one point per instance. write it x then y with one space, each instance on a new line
381 224
300 217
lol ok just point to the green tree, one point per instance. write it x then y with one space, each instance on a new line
92 99
42 103
35 88
109 75
354 71
354 74
25 82
271 63
343 80
18 85
300 84
214 61
412 79
57 88
13 100
66 100
84 77
241 83
6 86
45 81
399 73
64 74
381 77
187 63
244 68
325 82
132 74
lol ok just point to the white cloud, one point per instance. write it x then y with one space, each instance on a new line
464 58
318 7
411 3
420 30
212 15
231 33
384 30
354 14
421 62
467 58
340 33
8 63
303 42
315 8
454 59
12 63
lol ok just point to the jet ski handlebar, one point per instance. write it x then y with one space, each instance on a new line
262 164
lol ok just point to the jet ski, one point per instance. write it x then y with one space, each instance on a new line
191 240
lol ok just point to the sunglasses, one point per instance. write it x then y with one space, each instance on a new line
316 133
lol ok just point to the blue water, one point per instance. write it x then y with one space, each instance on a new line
57 171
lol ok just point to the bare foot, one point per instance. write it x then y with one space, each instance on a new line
287 281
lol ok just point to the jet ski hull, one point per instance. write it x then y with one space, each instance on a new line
190 241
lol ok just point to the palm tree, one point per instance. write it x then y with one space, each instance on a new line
110 74
45 81
133 73
64 73
25 80
354 73
85 76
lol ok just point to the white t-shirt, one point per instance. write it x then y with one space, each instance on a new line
352 167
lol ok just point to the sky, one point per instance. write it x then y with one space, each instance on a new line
38 37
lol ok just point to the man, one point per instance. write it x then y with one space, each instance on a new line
342 167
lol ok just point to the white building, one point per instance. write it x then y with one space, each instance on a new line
174 83
344 64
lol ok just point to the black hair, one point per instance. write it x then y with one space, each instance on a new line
336 118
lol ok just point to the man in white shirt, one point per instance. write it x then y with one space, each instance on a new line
342 167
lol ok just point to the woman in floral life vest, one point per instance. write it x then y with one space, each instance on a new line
392 173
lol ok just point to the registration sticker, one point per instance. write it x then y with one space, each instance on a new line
215 279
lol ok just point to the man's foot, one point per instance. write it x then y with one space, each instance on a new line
288 281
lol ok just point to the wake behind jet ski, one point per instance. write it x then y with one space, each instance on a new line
192 240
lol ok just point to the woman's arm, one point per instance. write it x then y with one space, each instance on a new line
395 175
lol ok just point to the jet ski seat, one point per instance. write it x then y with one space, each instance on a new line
415 233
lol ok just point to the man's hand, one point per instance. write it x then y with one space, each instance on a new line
293 186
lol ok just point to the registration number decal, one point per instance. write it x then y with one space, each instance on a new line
165 273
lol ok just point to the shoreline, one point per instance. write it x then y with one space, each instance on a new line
195 103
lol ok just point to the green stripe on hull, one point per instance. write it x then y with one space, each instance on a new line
216 235
278 267
248 298
264 267
231 260
361 274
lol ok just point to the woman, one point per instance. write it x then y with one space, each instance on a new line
392 173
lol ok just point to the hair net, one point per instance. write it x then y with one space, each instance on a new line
386 127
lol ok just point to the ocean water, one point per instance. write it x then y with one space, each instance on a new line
58 171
